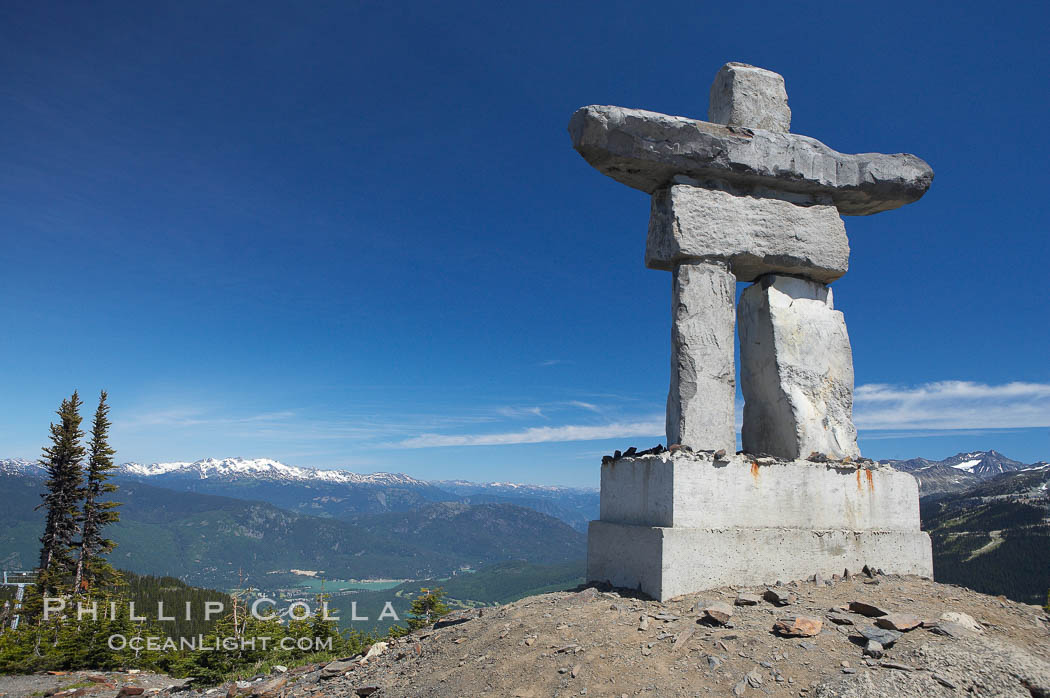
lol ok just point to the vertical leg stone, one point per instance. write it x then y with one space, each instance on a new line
796 371
700 411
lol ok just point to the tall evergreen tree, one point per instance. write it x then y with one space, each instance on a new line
97 514
63 461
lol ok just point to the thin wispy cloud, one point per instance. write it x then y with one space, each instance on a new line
535 435
553 362
517 412
952 405
366 427
200 418
884 435
933 408
880 410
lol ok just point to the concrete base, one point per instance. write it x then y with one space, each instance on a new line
693 490
669 562
676 523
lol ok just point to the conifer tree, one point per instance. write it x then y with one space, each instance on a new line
63 461
322 629
427 608
92 567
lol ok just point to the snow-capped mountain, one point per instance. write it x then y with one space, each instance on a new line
261 469
338 493
983 463
959 472
20 466
319 492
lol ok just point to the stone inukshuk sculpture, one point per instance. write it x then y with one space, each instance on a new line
739 198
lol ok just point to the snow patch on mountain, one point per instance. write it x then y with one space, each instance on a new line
261 469
958 472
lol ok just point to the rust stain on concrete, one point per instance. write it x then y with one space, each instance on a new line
871 482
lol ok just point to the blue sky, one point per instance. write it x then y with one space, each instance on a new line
356 235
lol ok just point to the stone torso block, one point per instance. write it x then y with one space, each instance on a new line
796 371
757 233
700 411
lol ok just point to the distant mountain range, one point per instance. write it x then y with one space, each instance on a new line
340 494
212 520
20 466
574 506
326 493
229 469
959 472
211 539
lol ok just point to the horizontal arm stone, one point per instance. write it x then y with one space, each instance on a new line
646 150
756 235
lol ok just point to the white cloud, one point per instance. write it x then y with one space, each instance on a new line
535 435
585 405
952 405
950 390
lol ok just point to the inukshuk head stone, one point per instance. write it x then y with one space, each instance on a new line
739 198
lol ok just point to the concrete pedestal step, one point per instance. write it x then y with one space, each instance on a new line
665 562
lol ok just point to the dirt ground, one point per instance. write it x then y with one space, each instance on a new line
101 683
578 644
595 643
